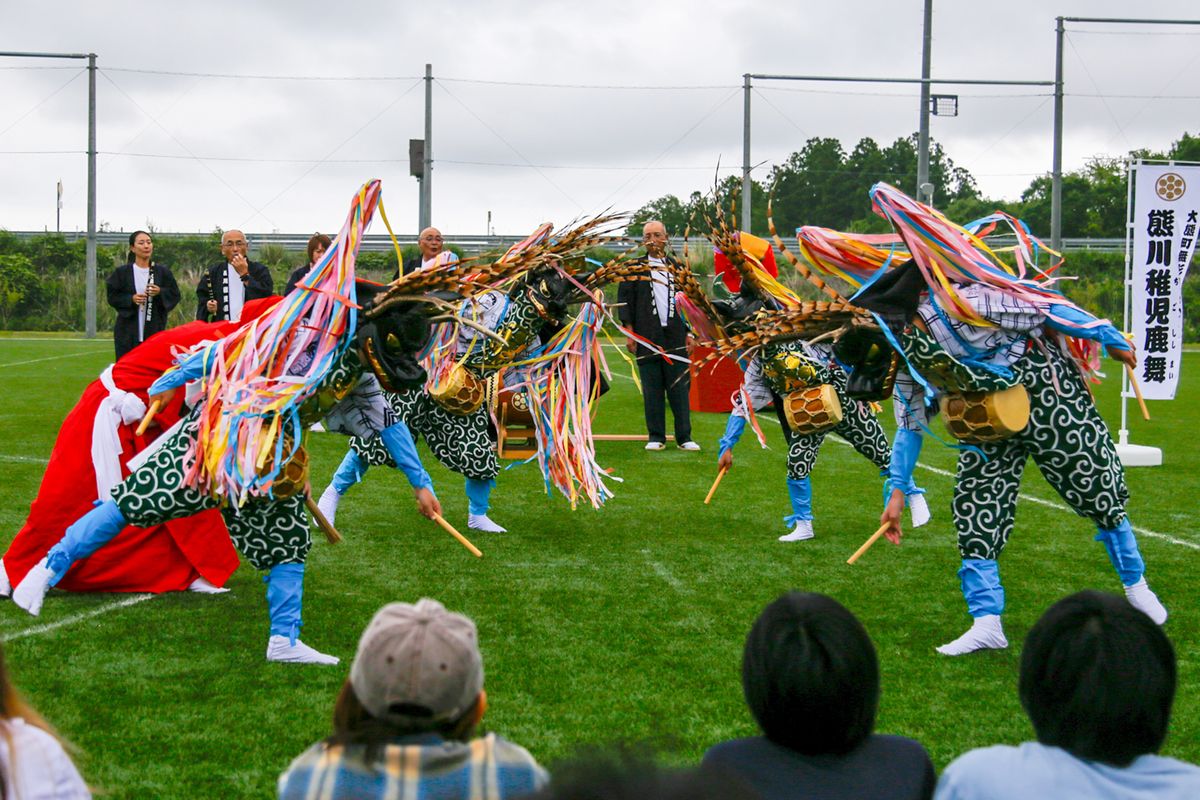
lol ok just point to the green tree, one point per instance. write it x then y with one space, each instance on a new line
20 287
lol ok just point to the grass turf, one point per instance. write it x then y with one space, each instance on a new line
621 624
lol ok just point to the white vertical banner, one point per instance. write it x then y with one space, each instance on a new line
1165 207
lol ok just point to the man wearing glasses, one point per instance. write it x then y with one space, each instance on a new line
227 286
432 251
648 309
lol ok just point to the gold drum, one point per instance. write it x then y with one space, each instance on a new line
813 410
978 417
460 392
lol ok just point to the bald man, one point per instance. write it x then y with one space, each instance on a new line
227 286
432 251
648 309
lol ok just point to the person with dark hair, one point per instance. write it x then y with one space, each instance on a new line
228 285
33 762
406 718
318 243
811 680
1097 682
143 294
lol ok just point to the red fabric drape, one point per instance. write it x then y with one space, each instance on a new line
163 558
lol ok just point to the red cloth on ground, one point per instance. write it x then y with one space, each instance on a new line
164 558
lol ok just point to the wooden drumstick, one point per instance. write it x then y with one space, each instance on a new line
154 408
326 528
464 540
867 544
1137 391
720 474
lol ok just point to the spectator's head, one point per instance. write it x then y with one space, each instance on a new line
233 243
417 670
317 246
1098 679
429 243
654 237
810 675
141 246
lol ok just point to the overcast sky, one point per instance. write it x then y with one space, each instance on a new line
646 100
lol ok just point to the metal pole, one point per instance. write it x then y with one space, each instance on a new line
1131 172
746 185
426 214
90 307
923 136
1056 168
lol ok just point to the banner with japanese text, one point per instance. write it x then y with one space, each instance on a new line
1165 207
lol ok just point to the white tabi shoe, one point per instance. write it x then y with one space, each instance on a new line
31 591
202 586
691 446
1143 599
802 531
918 510
985 634
481 522
5 586
655 446
280 648
329 503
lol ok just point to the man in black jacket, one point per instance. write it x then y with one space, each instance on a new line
648 308
226 287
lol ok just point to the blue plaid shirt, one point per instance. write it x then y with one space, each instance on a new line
425 767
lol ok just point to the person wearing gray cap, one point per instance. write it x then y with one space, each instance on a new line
406 718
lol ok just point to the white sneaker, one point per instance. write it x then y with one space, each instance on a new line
329 503
918 510
985 633
280 648
802 531
689 446
1144 600
31 591
481 522
5 586
655 446
203 586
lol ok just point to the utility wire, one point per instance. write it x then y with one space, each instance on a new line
509 145
43 101
239 76
187 150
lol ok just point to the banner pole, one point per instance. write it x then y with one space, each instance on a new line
1123 433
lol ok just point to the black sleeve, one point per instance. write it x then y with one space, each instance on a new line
168 289
120 296
626 296
203 296
295 277
258 282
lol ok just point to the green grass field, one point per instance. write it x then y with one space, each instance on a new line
596 626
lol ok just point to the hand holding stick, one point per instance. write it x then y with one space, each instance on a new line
440 520
155 407
720 474
867 544
326 528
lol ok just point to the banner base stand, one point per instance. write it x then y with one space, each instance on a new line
1137 455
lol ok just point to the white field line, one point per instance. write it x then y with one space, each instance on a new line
48 358
24 459
38 630
664 573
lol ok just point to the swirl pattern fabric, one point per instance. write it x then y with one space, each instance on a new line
462 444
859 427
1066 438
267 532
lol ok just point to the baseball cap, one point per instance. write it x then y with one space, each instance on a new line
417 665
